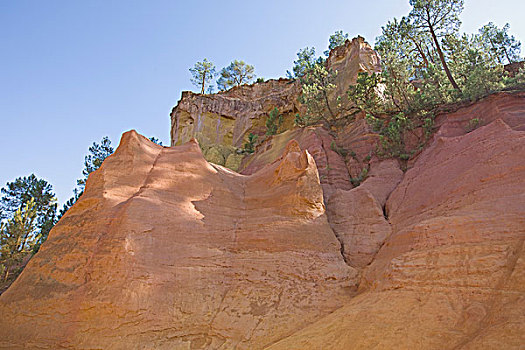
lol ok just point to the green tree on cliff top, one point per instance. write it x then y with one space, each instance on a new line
202 74
236 74
337 39
438 18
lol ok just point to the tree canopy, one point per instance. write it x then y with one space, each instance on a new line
337 39
93 161
236 74
202 74
17 194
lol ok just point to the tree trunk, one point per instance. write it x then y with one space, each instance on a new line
495 51
507 54
442 58
420 50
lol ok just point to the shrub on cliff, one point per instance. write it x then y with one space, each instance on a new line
249 146
274 122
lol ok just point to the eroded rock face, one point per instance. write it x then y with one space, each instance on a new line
228 117
332 170
167 251
357 215
222 122
355 56
451 273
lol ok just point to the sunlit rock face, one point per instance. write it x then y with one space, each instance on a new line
167 251
222 122
348 60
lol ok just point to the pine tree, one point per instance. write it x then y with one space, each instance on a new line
18 238
93 161
98 153
18 193
500 44
305 62
202 74
438 18
337 39
236 74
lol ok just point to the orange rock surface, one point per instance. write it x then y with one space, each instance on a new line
166 251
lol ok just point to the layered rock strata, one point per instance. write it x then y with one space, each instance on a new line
451 273
222 122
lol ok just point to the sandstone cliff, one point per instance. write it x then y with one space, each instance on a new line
222 122
167 251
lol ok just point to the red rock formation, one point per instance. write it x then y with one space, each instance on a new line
357 218
222 122
167 251
332 169
507 106
451 274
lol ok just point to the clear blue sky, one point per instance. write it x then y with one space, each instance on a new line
74 71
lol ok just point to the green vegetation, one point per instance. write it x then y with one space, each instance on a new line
27 214
202 74
18 240
97 153
155 140
17 194
339 150
236 74
318 86
337 39
249 147
305 62
356 181
427 62
473 124
93 161
274 122
28 211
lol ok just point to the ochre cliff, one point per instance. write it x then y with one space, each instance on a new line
355 56
451 274
165 251
314 242
222 122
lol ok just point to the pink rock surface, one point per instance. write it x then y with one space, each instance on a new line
451 274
